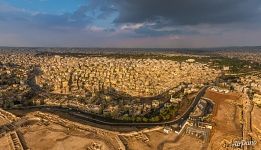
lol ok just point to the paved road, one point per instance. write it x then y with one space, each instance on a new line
103 121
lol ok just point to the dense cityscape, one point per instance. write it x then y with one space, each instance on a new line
176 93
130 75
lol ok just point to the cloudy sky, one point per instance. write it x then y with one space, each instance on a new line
130 23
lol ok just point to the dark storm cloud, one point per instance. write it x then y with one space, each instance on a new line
187 12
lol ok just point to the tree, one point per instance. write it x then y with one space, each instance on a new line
145 119
157 118
138 119
126 118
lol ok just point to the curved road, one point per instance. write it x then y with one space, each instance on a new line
103 121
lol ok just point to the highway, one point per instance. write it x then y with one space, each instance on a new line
104 121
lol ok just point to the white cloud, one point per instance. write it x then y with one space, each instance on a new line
94 28
132 26
135 26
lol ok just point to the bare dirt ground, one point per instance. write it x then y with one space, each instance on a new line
3 120
158 140
226 118
55 137
55 133
185 143
4 143
256 126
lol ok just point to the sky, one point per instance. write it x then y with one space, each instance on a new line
130 23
